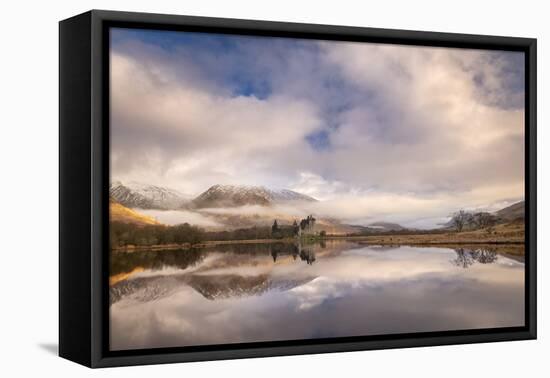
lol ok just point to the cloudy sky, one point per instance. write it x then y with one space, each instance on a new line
400 133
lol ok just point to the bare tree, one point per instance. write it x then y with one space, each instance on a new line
460 219
483 220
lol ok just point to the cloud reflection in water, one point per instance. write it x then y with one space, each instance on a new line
233 295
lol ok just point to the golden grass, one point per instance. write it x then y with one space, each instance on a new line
510 233
120 213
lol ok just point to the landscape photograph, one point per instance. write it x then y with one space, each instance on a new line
273 189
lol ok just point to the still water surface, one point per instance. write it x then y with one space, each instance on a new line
263 292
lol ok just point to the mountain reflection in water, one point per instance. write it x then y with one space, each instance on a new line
238 293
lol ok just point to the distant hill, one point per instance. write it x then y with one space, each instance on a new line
376 228
144 196
513 212
387 226
120 213
238 195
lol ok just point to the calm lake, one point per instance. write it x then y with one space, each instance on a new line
263 292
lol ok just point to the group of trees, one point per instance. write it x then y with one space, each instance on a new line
251 233
463 219
283 232
122 234
305 227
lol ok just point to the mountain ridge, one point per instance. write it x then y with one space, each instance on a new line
144 196
240 195
387 226
512 212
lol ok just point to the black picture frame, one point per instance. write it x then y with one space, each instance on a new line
84 178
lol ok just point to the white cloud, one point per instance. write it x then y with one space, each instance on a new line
172 129
411 133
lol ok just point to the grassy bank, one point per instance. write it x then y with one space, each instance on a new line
502 235
173 246
513 233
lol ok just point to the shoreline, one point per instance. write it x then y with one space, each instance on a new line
434 240
155 247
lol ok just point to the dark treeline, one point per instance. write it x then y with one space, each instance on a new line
240 234
122 234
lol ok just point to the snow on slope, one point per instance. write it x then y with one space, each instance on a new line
238 195
143 196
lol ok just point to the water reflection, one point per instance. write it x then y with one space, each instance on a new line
125 262
308 256
465 257
165 269
261 291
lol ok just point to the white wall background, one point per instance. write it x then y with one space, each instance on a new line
29 188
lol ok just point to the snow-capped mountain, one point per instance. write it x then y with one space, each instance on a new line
236 195
143 196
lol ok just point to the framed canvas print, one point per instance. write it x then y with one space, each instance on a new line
233 188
